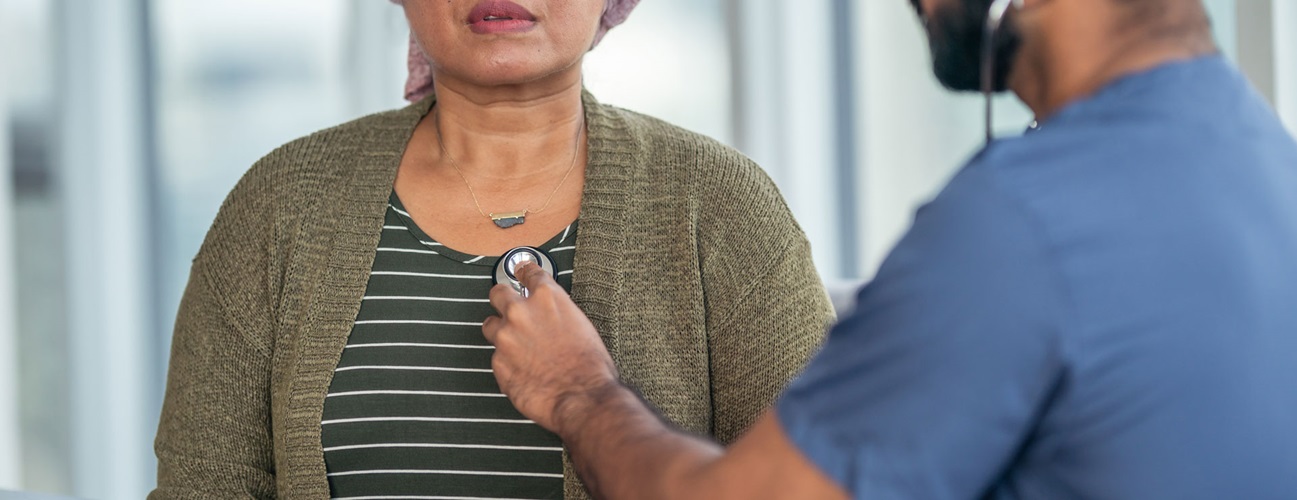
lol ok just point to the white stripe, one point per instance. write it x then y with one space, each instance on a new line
447 472
426 419
475 260
428 498
430 299
399 211
403 228
439 445
416 393
429 275
560 273
414 344
415 322
408 250
415 368
431 243
562 249
565 231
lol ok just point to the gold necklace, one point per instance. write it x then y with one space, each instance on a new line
506 220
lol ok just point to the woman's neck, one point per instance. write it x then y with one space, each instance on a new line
508 133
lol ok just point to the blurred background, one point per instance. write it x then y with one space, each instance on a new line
123 124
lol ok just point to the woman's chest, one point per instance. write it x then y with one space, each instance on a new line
413 407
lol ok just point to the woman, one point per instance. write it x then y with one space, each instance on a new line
329 340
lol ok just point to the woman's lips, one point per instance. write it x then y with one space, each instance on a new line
500 16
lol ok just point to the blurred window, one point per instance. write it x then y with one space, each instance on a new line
238 78
28 53
670 60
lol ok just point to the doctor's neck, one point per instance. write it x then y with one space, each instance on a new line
1073 48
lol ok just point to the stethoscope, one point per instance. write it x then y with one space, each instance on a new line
994 19
509 263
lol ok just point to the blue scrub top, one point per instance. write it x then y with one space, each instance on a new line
1104 308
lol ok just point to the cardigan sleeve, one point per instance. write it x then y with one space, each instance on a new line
765 340
767 309
214 439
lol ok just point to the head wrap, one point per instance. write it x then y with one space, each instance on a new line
419 84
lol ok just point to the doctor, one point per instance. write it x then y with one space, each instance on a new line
1105 307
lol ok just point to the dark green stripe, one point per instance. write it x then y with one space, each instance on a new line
458 486
424 432
423 356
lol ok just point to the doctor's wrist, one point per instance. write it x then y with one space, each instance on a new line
580 410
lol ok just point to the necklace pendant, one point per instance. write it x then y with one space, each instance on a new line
509 219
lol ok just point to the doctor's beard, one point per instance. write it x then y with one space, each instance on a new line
955 31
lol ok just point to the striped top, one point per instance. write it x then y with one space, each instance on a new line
413 410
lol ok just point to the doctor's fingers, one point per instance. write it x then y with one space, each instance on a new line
536 279
492 329
505 299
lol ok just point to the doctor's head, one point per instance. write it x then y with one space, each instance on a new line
1040 33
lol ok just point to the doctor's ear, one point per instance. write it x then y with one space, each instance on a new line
1033 4
1028 7
1030 4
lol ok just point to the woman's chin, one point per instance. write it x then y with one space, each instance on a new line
497 75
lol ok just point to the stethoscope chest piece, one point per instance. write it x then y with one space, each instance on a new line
511 260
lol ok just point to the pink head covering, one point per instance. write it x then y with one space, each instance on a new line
419 84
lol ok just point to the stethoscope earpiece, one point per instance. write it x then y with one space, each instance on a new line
511 260
994 18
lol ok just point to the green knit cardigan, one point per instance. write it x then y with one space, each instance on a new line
688 262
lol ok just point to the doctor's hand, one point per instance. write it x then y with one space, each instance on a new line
549 359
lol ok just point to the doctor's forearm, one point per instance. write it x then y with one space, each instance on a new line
623 450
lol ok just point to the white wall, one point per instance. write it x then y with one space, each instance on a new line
785 111
10 465
1256 49
1261 35
1224 22
1285 53
374 83
669 60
